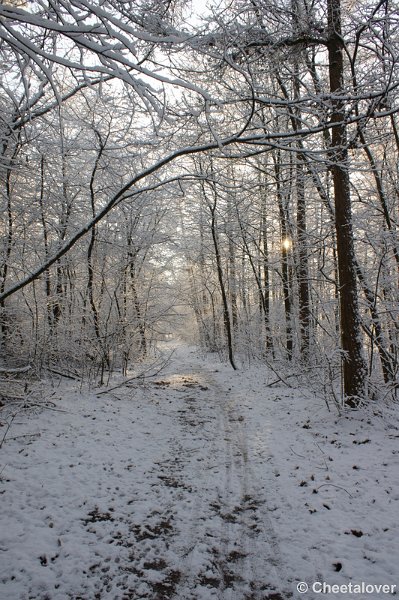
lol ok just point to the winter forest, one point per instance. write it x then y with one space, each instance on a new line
222 172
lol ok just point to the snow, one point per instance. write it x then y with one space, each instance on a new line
198 484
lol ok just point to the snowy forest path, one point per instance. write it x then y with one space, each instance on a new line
196 483
226 541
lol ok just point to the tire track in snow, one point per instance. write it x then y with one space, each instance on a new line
230 530
245 502
197 550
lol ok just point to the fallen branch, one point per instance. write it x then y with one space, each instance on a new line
277 381
279 377
62 373
142 375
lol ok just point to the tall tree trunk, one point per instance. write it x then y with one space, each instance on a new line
286 247
303 270
265 292
93 237
226 311
47 277
9 240
302 243
354 365
387 366
136 303
232 266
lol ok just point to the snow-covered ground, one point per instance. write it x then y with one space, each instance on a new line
200 484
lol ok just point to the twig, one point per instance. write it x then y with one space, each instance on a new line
296 454
15 370
13 397
44 406
323 457
336 486
8 427
274 382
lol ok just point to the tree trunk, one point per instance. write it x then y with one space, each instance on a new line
226 311
265 292
303 270
286 247
9 239
354 365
